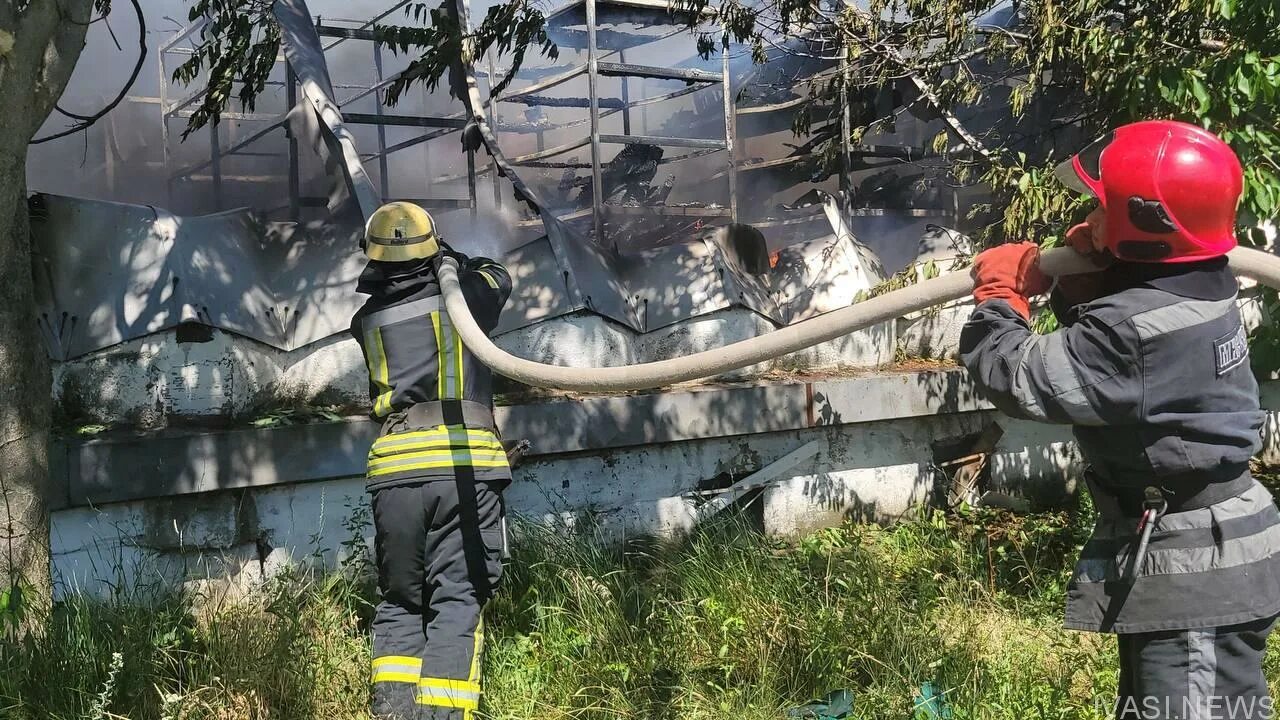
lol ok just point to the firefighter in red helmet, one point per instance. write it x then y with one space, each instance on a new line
1151 369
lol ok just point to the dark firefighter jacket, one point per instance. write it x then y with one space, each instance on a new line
415 358
1154 376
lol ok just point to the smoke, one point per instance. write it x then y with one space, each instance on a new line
122 157
491 233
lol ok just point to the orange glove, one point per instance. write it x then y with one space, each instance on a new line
1009 272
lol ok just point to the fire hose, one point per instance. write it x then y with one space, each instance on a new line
1261 266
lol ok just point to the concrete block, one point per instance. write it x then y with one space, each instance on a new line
621 464
95 551
888 396
806 503
1252 312
815 277
707 332
1269 392
299 523
604 483
867 348
143 381
669 517
935 334
329 372
601 423
138 466
1036 461
579 340
213 521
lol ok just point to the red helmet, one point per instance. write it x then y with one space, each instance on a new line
1170 190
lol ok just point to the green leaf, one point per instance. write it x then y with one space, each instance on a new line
1244 85
1201 94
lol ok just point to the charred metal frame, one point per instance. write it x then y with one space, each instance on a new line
180 109
597 67
601 62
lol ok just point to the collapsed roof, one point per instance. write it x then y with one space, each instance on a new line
613 243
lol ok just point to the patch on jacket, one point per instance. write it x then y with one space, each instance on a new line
1231 350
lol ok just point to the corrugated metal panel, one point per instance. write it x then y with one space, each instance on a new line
107 272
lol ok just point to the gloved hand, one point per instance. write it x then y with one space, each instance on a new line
1085 287
449 252
1009 272
1080 239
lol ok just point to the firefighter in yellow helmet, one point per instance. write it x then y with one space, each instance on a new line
436 473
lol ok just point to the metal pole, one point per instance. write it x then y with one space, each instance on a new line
494 119
846 149
164 130
383 180
626 98
644 109
426 147
597 184
295 181
471 181
215 164
730 129
109 157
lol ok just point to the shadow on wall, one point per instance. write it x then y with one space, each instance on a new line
249 499
126 466
215 546
865 469
137 270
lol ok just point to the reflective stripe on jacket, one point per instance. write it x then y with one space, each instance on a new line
414 356
1154 376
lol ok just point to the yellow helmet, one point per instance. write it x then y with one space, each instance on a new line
400 231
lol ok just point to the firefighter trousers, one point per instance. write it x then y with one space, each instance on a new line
439 553
1211 674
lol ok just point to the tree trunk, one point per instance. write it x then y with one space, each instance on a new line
40 41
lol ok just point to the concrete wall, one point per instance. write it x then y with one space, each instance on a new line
225 541
219 511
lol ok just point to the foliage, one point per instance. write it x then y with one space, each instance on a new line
238 43
507 27
302 415
241 40
726 623
1099 63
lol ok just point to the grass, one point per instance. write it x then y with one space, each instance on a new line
725 624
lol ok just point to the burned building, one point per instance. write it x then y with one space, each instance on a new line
649 203
632 184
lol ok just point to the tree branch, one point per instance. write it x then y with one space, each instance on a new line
87 121
892 54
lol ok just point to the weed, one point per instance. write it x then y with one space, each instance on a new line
723 623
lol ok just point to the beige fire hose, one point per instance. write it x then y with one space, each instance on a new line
1261 266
